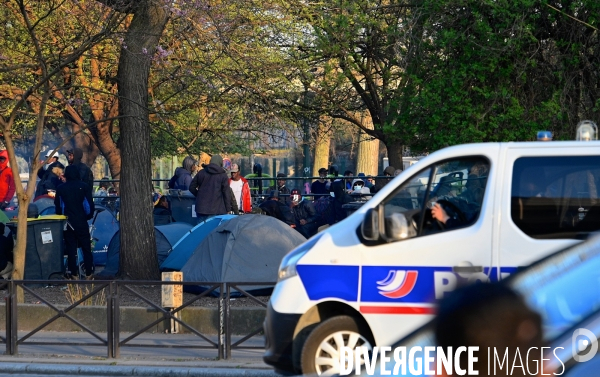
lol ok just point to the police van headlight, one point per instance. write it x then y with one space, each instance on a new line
287 268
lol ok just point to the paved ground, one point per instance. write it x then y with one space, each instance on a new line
162 359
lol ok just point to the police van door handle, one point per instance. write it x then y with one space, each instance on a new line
467 269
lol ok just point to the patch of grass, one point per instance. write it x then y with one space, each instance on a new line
76 292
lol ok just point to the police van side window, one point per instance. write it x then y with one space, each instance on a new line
457 186
556 197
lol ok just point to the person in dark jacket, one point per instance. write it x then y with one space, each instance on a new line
6 251
305 215
348 174
281 188
162 213
320 185
85 174
211 189
340 197
49 179
74 200
275 208
389 175
183 176
53 179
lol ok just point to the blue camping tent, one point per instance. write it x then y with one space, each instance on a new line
183 250
105 227
43 202
166 237
248 249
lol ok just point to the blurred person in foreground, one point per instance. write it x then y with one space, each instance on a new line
491 315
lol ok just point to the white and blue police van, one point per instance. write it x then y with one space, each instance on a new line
374 277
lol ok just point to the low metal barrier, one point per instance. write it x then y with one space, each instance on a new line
236 286
13 340
114 291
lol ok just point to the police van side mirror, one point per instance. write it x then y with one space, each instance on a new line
397 227
371 225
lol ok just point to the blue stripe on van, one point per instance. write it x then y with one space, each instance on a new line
383 284
321 282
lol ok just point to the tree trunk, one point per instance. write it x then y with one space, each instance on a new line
138 249
106 144
24 196
79 139
368 151
322 142
85 142
394 149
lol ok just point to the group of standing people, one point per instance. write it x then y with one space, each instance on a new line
221 191
218 191
71 188
52 175
346 189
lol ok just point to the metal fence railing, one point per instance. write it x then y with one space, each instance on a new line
113 292
239 344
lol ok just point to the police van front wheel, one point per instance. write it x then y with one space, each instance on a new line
323 346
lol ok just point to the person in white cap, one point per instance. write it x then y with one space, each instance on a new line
241 189
48 173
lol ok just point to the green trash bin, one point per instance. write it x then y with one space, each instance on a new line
44 253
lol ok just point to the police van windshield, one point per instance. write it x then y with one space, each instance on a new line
457 185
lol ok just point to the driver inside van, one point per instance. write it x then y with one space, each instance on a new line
472 197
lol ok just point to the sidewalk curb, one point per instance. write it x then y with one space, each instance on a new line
105 370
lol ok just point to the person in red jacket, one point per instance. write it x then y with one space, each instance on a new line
7 181
241 189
